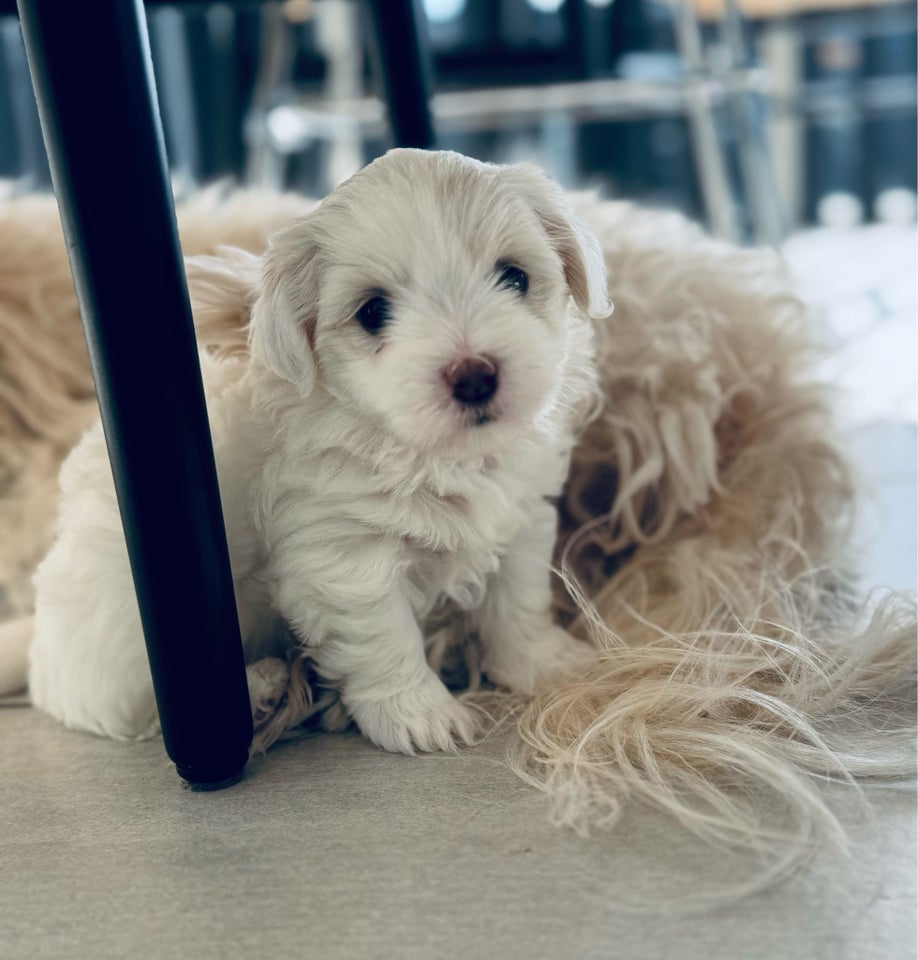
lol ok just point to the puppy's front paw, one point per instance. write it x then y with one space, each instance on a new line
423 717
268 680
547 653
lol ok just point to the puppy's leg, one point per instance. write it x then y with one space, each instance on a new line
88 662
268 680
348 601
394 697
522 644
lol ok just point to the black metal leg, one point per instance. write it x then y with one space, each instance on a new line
403 63
90 67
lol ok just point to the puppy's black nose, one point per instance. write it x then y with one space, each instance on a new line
474 380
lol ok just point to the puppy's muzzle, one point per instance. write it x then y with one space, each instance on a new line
474 380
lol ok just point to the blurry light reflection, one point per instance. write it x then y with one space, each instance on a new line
440 11
546 6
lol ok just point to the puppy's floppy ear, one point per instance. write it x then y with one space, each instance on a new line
284 316
580 252
223 289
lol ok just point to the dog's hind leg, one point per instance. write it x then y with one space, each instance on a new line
88 662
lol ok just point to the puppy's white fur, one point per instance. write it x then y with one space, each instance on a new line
358 493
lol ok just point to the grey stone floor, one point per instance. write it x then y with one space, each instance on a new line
332 849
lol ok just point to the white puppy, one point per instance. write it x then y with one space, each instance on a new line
420 362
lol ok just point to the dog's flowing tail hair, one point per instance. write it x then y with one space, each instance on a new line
702 524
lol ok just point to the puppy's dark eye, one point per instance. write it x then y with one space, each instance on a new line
513 278
372 316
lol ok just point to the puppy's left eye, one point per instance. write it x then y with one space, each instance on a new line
372 316
513 278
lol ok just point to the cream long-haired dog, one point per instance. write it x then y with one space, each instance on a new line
417 371
420 369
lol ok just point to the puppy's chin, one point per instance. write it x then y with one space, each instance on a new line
460 434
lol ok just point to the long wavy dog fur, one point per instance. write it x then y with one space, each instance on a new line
702 531
706 518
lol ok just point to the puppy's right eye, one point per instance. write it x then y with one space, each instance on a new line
513 278
372 316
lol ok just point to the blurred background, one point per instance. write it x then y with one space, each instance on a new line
783 122
755 116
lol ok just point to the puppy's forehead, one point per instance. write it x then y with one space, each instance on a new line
414 210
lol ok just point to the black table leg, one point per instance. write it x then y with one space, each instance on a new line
90 66
402 51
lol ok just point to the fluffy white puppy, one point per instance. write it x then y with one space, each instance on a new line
420 363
